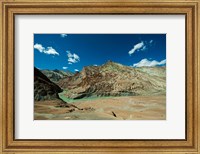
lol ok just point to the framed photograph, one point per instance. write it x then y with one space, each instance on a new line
99 76
100 82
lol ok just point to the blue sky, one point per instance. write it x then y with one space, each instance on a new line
74 51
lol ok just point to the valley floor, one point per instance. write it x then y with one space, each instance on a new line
110 108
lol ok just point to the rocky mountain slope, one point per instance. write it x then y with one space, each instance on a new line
56 75
44 89
113 79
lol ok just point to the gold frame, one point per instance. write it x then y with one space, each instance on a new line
9 8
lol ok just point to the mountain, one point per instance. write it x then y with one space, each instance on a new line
114 79
56 75
44 89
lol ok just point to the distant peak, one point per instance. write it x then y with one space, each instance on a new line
56 70
110 62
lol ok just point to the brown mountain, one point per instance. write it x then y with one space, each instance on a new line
113 79
44 89
56 75
47 103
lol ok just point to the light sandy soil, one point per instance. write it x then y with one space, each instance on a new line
111 108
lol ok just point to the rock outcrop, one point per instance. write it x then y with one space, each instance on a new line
44 89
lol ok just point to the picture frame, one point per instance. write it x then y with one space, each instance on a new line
156 7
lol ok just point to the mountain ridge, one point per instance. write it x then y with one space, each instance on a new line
55 75
114 79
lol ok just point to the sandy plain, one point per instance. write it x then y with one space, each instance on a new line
106 108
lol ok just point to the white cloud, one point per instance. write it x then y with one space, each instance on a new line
144 45
39 47
95 65
72 58
148 63
64 67
76 70
137 47
76 56
63 35
48 50
51 51
163 62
